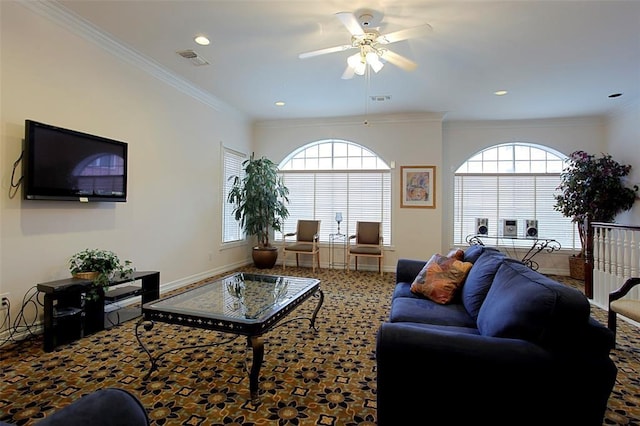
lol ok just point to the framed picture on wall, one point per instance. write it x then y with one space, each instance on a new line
418 186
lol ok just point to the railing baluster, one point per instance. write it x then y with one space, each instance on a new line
613 256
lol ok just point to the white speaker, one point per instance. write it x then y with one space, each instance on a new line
510 228
482 226
531 228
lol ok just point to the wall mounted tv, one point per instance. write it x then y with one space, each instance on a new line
63 164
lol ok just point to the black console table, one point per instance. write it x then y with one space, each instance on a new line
537 245
70 315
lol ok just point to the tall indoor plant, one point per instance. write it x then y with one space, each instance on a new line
592 187
260 204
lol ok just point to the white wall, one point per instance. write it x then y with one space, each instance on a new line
423 139
406 140
624 145
171 220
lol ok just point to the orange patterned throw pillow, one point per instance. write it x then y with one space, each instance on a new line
456 254
440 278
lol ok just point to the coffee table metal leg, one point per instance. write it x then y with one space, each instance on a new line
148 325
257 345
154 358
317 309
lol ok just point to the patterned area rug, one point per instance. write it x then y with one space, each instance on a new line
307 378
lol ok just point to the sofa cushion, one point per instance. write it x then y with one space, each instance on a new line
440 278
472 253
426 311
479 279
524 304
404 290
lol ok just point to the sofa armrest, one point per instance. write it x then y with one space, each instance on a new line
408 269
425 371
104 407
407 341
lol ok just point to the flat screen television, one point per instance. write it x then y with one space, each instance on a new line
63 164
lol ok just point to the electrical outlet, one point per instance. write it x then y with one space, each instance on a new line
4 301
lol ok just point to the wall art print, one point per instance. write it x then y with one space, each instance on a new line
418 184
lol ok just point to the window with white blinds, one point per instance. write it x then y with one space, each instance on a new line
232 166
511 181
332 176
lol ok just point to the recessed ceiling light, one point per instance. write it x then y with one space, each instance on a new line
279 103
202 40
500 92
615 95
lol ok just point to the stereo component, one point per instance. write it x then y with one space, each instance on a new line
510 228
482 226
531 228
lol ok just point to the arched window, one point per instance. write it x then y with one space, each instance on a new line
511 181
336 176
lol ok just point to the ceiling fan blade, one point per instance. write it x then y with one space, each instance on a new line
348 73
325 51
405 34
399 60
349 20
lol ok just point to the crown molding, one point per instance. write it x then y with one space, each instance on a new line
57 13
357 120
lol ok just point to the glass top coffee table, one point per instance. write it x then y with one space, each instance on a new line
240 304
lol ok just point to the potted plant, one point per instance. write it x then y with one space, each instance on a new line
259 198
592 187
100 266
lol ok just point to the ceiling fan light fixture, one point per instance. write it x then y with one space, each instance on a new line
357 64
374 60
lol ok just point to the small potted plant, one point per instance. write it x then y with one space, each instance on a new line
100 266
259 200
592 187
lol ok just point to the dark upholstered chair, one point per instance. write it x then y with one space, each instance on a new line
618 304
104 407
307 234
368 243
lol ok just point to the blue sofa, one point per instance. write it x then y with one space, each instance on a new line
513 348
104 407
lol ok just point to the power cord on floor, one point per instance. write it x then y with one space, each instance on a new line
21 324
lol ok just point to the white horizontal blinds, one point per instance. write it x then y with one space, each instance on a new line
516 201
301 205
551 223
370 201
519 197
333 176
476 196
358 195
331 197
231 230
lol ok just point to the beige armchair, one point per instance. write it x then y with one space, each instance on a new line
307 234
368 243
625 306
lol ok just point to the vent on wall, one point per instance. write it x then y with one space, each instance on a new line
193 57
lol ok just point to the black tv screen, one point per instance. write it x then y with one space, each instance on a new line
63 164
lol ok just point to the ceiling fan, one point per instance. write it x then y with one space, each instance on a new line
371 45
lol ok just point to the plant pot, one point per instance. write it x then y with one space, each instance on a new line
576 267
264 257
86 275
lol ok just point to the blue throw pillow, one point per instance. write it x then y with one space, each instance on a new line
473 253
479 280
